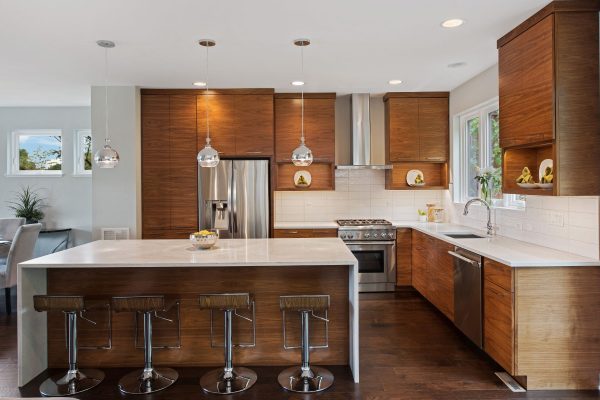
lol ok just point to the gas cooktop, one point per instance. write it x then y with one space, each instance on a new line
364 222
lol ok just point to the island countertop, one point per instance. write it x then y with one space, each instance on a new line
180 253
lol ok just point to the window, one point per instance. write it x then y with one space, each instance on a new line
35 152
83 152
479 147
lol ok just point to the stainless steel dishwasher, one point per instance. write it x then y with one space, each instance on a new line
468 312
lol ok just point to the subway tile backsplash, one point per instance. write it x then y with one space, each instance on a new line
358 194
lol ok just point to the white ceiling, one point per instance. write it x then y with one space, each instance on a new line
49 56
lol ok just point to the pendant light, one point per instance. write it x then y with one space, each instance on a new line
106 157
302 156
208 157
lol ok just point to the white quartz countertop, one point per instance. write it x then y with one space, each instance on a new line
180 253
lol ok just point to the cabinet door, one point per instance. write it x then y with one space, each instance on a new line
433 129
402 129
222 120
319 127
498 325
254 125
155 163
403 257
421 260
183 167
526 73
442 279
305 233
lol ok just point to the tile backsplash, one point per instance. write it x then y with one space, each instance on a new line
564 223
358 194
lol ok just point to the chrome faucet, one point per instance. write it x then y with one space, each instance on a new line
490 227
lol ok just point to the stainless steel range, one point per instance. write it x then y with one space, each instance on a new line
373 243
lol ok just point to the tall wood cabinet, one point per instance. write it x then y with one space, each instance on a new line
319 129
549 98
417 137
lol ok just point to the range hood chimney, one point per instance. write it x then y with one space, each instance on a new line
361 134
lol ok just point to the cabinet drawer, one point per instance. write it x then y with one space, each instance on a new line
305 233
498 325
499 274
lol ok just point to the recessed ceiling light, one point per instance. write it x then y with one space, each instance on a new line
457 64
453 23
395 82
298 83
202 84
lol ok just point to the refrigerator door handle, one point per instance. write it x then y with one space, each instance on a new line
233 208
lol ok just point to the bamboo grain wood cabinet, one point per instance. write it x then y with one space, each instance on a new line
319 128
549 98
417 137
305 233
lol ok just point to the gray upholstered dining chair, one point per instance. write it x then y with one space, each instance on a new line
8 228
21 250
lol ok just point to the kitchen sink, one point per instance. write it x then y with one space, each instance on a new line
464 236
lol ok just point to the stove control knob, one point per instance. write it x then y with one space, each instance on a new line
375 235
350 236
383 235
367 235
343 236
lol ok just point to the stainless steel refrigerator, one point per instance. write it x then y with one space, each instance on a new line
234 198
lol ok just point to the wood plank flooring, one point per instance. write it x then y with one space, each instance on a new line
409 350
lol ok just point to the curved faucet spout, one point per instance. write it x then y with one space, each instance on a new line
490 227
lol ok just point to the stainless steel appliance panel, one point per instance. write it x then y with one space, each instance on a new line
214 196
250 199
468 312
376 265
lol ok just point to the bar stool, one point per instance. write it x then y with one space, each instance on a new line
75 380
228 380
148 379
306 378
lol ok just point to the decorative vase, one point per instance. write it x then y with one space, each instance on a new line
485 191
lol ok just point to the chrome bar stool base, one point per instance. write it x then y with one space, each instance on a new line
73 382
143 382
240 379
316 379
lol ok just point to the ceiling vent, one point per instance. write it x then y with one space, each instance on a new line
115 233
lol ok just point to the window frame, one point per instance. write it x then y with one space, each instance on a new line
482 111
13 153
78 162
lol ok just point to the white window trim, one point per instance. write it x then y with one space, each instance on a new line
482 110
78 167
12 158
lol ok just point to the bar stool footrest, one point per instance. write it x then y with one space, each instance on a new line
294 379
136 381
71 383
215 382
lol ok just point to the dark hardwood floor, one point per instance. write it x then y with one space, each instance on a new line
408 351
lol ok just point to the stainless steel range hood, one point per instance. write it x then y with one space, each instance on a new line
361 134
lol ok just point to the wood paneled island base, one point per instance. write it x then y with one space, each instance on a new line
265 283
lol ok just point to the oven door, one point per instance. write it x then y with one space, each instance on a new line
376 261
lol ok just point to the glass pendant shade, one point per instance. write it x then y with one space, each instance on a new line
208 157
302 156
106 157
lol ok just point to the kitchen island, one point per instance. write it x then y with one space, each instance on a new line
267 268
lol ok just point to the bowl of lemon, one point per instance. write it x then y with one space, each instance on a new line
204 239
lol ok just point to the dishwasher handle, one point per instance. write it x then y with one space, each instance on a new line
465 259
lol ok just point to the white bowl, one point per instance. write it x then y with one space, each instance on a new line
204 242
545 185
528 185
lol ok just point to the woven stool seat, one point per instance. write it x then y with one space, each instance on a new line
58 303
138 303
225 301
304 302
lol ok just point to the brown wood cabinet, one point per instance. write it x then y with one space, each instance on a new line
305 233
433 271
241 125
319 130
550 98
169 178
403 257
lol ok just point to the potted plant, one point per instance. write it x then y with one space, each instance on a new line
487 178
28 205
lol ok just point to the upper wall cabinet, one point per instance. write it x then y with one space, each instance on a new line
241 122
417 137
319 132
549 98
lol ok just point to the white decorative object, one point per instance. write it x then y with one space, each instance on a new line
415 177
302 178
208 157
302 156
545 164
527 185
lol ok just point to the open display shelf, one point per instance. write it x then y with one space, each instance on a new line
435 174
514 159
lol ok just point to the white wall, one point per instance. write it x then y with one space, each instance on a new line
68 198
565 223
116 193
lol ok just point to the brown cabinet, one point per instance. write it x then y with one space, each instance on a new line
433 271
498 314
403 257
319 131
417 137
549 98
305 233
241 125
169 178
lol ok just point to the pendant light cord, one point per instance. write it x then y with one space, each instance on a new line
206 100
302 91
106 93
